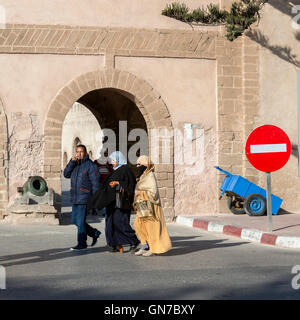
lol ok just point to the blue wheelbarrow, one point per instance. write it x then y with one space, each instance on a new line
244 196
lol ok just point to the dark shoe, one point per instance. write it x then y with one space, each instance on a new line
95 238
79 248
114 250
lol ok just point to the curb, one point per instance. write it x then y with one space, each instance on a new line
252 235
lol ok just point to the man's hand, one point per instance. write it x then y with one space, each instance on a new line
74 158
113 183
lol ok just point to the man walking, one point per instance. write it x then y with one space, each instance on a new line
85 181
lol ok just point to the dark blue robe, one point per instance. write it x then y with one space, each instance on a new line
117 227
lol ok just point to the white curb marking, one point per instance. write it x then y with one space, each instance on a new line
246 234
186 221
252 235
215 227
290 242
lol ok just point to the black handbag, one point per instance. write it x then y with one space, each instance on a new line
122 200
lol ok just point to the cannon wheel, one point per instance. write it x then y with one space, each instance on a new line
255 205
235 205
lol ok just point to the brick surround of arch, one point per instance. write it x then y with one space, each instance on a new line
148 101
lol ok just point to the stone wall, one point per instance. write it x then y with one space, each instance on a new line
273 60
142 14
3 161
25 150
230 108
127 59
223 57
81 123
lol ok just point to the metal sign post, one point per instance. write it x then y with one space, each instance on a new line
268 149
269 202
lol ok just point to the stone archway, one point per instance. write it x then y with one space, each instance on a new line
65 159
149 103
76 142
3 162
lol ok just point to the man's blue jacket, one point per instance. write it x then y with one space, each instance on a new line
85 179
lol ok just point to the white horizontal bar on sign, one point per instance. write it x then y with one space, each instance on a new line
267 148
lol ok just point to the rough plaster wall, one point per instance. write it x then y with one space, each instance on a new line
190 95
25 150
199 189
3 161
116 13
279 63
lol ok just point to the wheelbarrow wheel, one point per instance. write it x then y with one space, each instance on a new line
235 205
255 205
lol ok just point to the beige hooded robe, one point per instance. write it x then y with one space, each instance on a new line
151 229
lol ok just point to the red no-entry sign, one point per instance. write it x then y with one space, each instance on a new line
268 148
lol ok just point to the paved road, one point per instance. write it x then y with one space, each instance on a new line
39 265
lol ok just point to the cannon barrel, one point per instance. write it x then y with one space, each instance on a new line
36 185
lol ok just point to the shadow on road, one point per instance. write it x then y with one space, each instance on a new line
45 255
182 246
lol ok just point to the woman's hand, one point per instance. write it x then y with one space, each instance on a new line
113 183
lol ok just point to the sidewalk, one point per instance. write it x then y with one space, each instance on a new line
286 227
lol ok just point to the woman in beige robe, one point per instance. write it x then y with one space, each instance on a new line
151 231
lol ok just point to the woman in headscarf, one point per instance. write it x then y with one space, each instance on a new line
151 230
120 183
105 169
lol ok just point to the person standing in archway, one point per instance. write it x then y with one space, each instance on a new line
85 182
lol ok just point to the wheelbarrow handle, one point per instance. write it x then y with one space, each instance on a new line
227 173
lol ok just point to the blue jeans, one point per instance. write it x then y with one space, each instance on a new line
79 219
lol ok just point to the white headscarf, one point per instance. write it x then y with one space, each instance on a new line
119 158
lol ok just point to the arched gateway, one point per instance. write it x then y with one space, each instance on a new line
139 92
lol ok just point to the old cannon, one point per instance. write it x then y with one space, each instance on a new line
35 191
